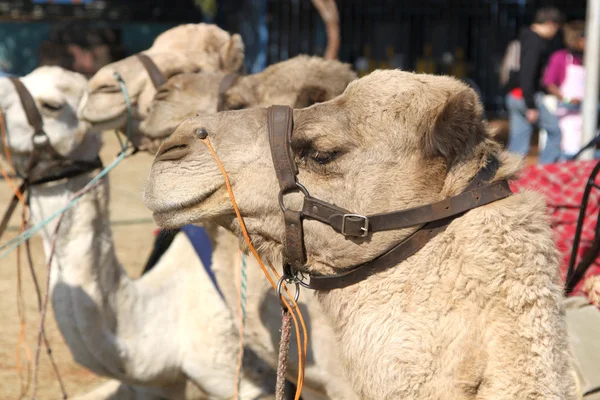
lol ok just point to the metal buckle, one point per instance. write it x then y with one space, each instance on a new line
364 228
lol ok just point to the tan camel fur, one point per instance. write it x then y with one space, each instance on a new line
298 82
475 314
150 334
185 48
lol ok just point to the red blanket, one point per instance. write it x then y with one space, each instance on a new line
563 184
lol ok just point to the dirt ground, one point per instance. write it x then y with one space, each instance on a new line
133 233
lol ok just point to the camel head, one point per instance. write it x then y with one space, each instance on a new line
57 93
186 48
393 140
298 82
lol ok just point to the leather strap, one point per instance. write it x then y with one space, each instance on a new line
156 76
226 83
31 111
57 170
11 208
387 260
280 131
434 218
417 240
358 226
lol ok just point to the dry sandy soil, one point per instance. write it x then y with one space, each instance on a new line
133 234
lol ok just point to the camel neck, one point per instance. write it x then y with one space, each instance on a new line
84 241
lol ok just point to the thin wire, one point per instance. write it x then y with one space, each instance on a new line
41 329
21 311
45 336
15 242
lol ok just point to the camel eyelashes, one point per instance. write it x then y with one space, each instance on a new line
318 157
106 89
51 107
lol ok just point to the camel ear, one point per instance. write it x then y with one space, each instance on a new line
309 95
458 127
232 54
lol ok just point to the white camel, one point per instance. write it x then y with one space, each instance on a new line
165 335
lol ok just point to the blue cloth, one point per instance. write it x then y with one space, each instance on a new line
203 247
520 129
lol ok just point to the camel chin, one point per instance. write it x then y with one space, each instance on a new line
105 110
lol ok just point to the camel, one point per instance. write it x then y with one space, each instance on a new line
299 82
150 334
185 48
476 313
323 374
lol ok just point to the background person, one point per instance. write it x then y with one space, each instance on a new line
565 79
524 100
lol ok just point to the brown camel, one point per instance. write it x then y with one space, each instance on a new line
474 314
298 82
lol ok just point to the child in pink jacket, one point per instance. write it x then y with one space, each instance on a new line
565 78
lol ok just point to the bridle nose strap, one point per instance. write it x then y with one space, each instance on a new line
156 76
280 131
31 111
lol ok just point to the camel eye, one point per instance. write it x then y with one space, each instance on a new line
162 94
323 158
106 89
317 157
53 107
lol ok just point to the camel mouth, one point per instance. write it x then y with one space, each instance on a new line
176 215
114 122
156 130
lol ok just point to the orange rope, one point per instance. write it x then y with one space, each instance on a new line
22 339
291 308
238 370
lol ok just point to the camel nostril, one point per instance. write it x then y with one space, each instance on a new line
173 152
201 133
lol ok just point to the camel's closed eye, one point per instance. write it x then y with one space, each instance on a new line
106 89
51 106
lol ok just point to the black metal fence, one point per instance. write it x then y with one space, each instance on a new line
470 35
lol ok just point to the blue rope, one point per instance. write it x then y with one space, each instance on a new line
17 241
243 286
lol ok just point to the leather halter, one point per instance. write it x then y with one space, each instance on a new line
45 164
156 76
434 218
